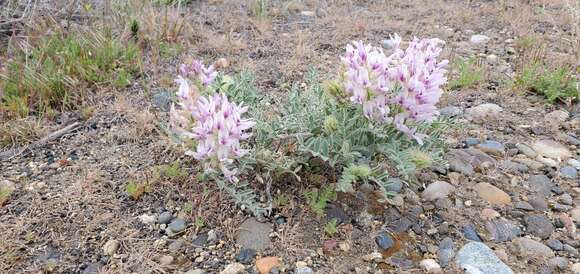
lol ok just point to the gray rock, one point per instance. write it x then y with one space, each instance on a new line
177 225
471 142
571 250
483 113
388 43
477 258
532 248
539 226
479 39
446 251
303 270
246 255
538 202
541 184
551 149
555 244
558 262
562 208
336 212
524 206
514 167
94 268
200 240
502 230
526 150
492 147
253 234
575 163
165 217
573 140
470 233
569 172
394 185
384 240
437 190
451 111
566 199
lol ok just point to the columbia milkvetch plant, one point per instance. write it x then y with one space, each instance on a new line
402 88
215 123
356 125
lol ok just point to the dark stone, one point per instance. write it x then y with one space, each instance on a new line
394 185
571 250
246 255
539 226
538 202
469 142
503 230
335 212
384 241
555 244
470 233
200 240
177 225
446 251
400 225
524 206
541 184
165 217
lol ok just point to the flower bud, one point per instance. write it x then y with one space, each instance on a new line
330 124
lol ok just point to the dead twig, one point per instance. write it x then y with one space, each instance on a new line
9 154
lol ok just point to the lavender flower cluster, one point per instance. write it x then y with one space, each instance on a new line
213 121
196 69
402 87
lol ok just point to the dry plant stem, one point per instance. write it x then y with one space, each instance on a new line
7 155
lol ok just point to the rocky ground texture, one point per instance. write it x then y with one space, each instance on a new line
508 203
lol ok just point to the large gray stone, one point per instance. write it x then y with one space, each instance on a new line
477 258
255 235
532 248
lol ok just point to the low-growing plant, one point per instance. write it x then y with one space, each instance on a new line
318 199
5 193
136 190
470 73
381 110
555 84
331 227
58 70
173 170
199 223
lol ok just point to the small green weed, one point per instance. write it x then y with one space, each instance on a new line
135 190
554 84
317 199
470 74
173 170
331 227
199 223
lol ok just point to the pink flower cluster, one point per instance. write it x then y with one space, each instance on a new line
197 69
402 87
219 128
215 123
